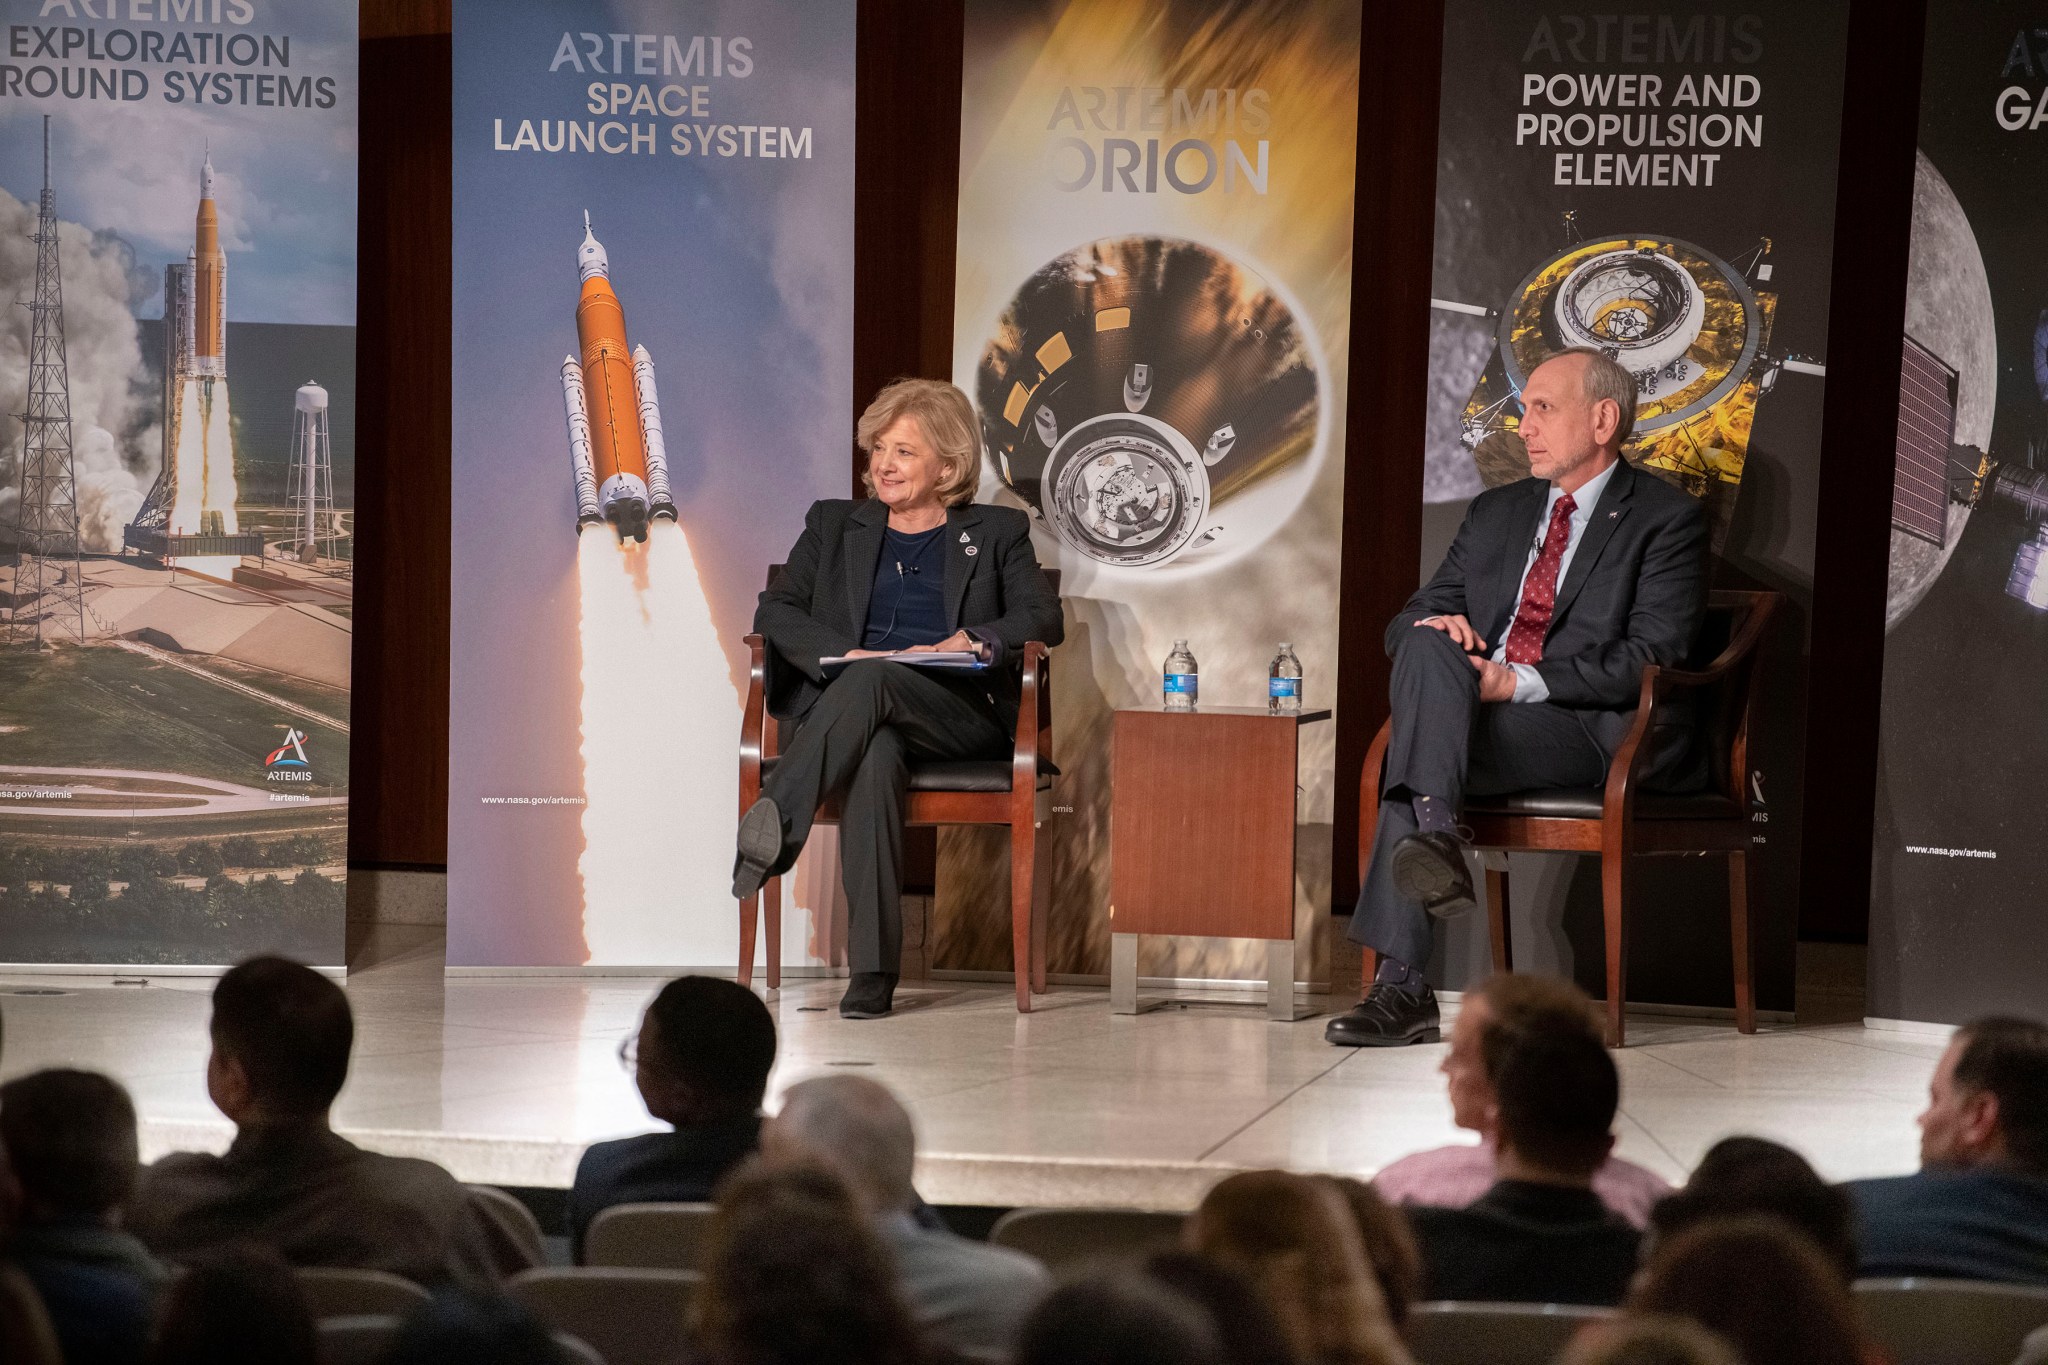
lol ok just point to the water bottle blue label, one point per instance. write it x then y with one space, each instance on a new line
1284 687
1180 682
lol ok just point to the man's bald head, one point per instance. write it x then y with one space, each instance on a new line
856 1125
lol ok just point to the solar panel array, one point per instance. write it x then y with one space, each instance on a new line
1927 423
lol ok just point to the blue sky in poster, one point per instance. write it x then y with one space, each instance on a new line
285 180
735 272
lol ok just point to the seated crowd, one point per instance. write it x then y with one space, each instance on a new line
820 1251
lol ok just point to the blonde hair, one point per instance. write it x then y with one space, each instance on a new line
1295 1240
946 417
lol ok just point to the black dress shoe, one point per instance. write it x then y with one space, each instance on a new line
1431 868
868 995
760 844
1389 1016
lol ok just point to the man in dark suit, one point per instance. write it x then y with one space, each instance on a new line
918 567
701 1062
1978 1207
1518 665
1540 1235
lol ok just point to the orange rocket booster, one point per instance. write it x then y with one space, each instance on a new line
615 438
209 270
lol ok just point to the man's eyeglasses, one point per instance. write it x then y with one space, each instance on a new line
629 1052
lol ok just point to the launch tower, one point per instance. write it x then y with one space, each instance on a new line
48 586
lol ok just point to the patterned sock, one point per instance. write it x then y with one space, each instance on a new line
1396 973
1433 815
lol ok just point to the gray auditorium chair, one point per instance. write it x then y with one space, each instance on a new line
1063 1238
335 1293
1496 1333
364 1340
1949 1322
515 1218
649 1236
629 1317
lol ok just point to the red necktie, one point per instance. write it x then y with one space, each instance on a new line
1539 590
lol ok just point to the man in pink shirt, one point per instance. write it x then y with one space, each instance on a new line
1456 1176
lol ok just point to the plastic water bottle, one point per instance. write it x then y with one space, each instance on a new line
1183 683
1283 683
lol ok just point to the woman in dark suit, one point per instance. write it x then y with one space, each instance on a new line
916 566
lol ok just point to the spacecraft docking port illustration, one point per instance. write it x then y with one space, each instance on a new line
616 452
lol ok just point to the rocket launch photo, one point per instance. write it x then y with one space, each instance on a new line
615 443
659 790
190 518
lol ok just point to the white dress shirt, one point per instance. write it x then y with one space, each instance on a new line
1529 684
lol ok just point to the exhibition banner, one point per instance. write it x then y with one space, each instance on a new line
1152 314
1961 851
653 333
1660 185
178 222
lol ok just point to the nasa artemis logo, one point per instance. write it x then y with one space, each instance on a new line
288 762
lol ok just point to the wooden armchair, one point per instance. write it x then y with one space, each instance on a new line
1621 821
1016 792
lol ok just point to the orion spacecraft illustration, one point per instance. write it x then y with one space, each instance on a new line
616 453
1136 385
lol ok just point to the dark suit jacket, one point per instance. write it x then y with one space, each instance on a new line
818 608
1632 595
1976 1224
1527 1243
682 1166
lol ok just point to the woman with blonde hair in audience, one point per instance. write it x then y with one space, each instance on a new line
1765 1287
1295 1240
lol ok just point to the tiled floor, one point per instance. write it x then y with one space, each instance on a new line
505 1080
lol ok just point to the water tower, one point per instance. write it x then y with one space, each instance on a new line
310 489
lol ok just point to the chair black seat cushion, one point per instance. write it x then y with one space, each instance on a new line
1584 803
958 775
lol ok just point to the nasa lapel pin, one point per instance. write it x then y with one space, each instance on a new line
1614 516
972 548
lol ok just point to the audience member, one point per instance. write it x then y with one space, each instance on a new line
281 1040
69 1138
1759 1283
1459 1175
1245 1326
968 1295
460 1327
1740 1176
1389 1244
795 1275
26 1337
1540 1235
237 1307
1648 1341
1978 1208
1293 1239
701 1061
1119 1319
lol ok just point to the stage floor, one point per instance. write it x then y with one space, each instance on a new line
504 1080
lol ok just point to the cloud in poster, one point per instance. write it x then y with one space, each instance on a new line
285 178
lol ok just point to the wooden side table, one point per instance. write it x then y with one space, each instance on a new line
1201 831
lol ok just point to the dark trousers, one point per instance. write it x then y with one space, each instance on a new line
1448 744
858 741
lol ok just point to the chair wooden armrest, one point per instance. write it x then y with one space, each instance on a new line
1024 758
753 717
